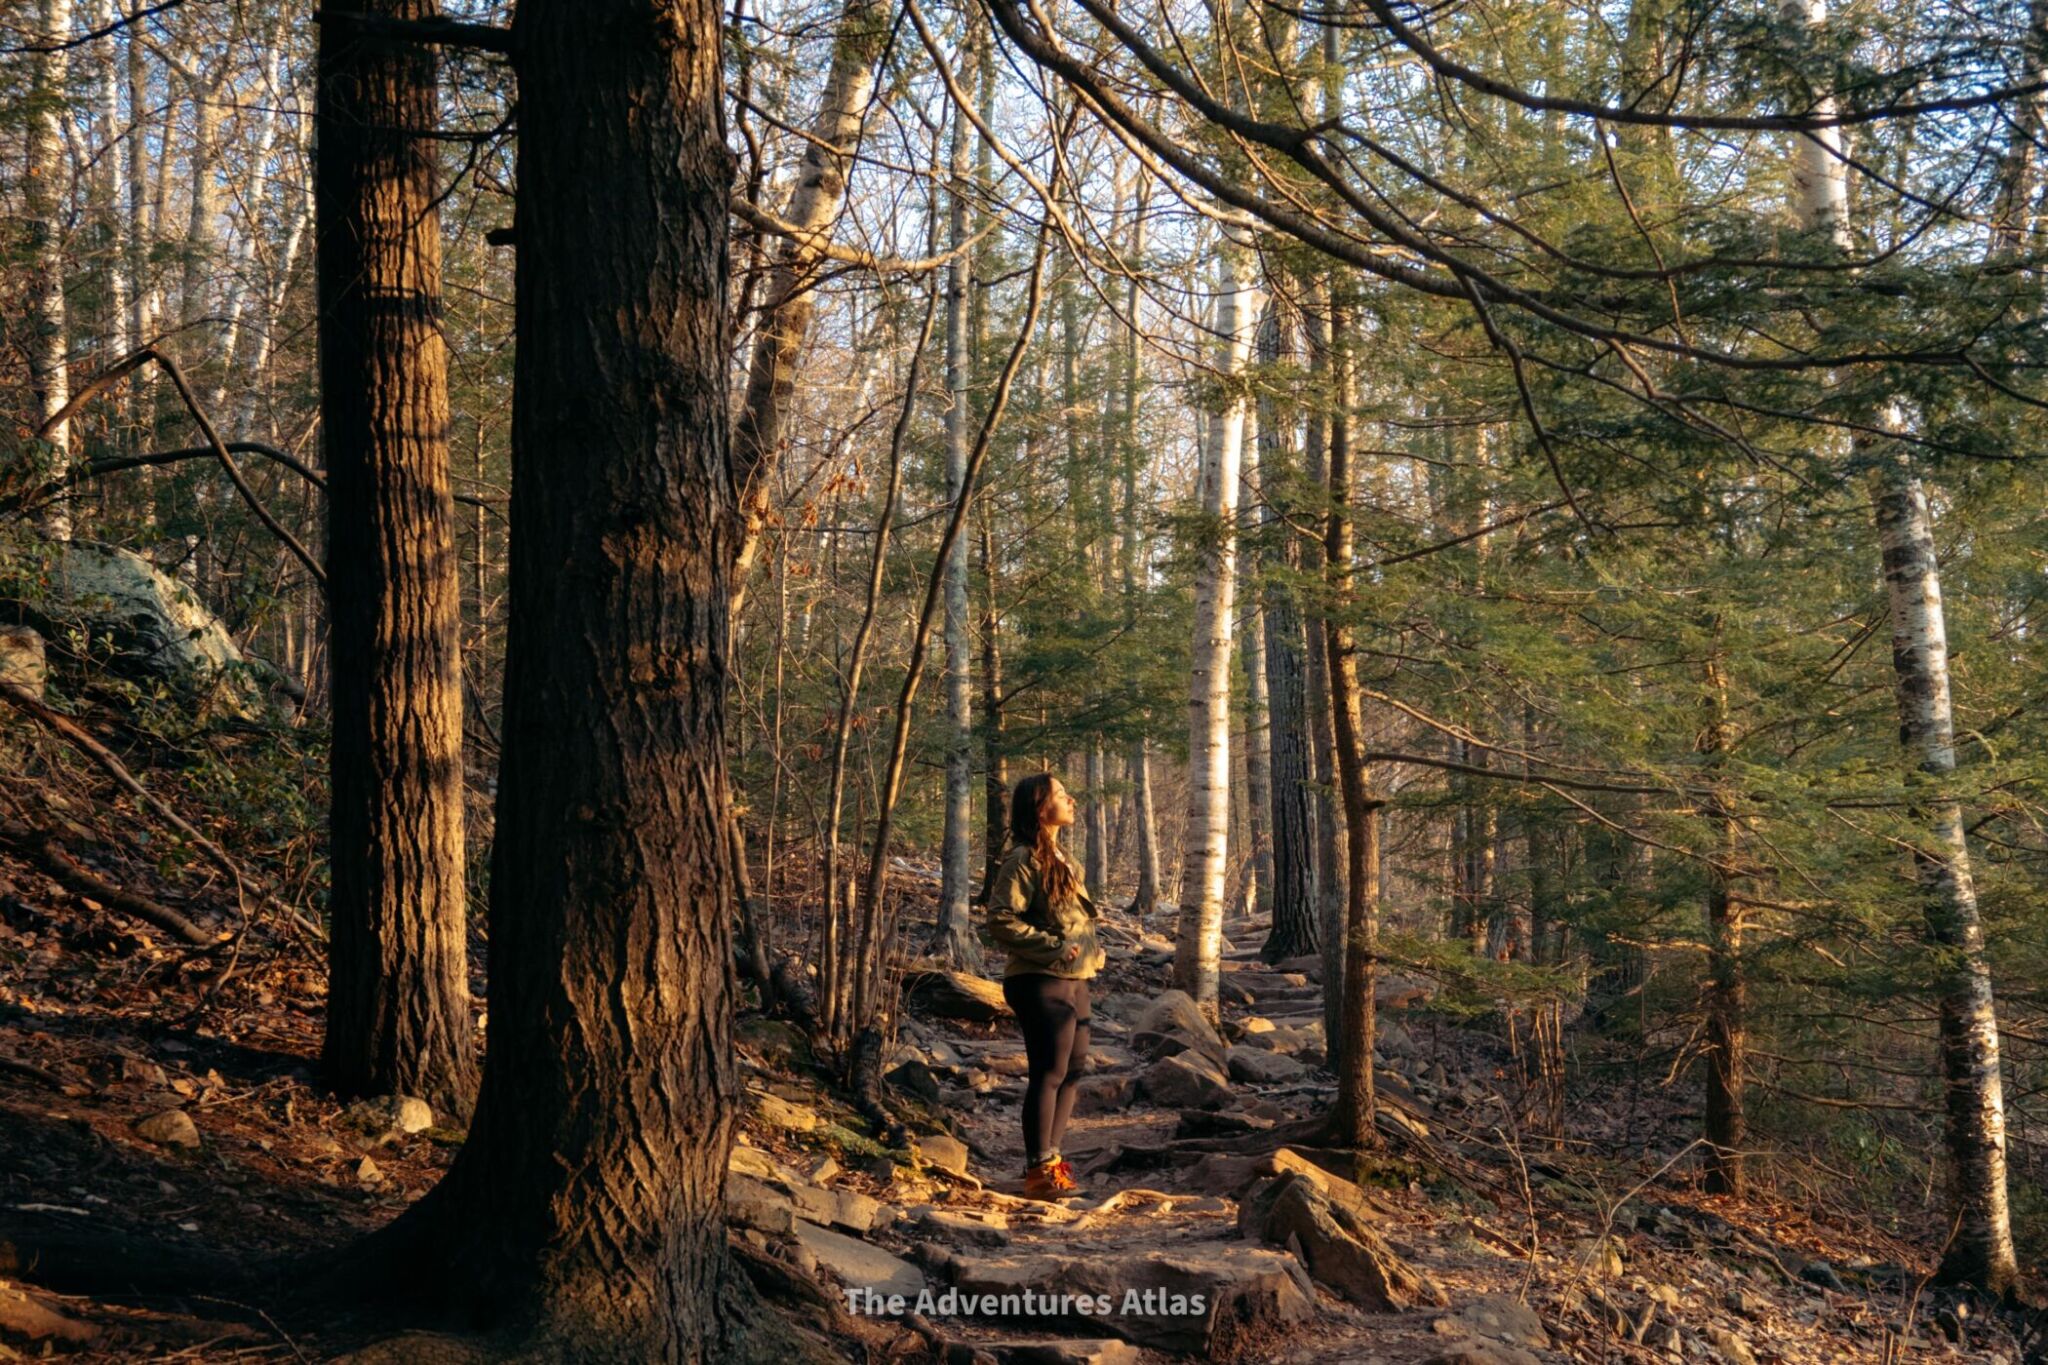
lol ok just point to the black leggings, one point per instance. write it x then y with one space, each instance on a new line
1054 1013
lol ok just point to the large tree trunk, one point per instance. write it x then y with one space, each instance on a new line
1292 854
1981 1252
956 926
1199 943
44 191
1331 855
398 1016
586 1207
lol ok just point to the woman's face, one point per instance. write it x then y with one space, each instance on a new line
1059 806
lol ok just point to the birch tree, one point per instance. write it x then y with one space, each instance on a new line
1199 944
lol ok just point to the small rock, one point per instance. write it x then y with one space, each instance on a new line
1664 1294
1601 1256
22 661
144 1072
1098 1351
1733 1349
387 1117
914 1078
1471 1351
1505 1319
777 1112
1187 1080
368 1173
1105 1094
1745 1303
1255 1066
1823 1274
946 1153
170 1128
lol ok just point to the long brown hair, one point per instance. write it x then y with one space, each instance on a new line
1030 803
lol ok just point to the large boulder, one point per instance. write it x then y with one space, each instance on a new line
1336 1245
1256 1066
1172 1024
154 626
1220 1301
1186 1080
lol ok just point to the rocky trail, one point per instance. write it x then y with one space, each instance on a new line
148 1108
1213 1224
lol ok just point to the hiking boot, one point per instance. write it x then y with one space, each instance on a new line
1066 1171
1048 1180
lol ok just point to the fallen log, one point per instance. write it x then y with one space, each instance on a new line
43 849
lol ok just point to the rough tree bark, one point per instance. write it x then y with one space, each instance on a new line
1293 930
1199 941
1353 1120
398 1015
585 1212
1331 855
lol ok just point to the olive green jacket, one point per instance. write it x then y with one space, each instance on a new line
1036 933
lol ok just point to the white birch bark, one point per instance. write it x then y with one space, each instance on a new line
113 184
814 204
1981 1251
47 197
1205 849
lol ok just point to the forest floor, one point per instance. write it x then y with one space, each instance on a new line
145 1104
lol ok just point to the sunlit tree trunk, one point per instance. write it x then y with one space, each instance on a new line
790 300
398 1015
47 196
955 924
1981 1252
585 1213
1198 948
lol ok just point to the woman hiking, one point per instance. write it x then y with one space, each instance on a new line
1042 914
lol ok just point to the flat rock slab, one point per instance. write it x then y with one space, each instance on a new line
1226 1301
1503 1319
1077 1351
859 1265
